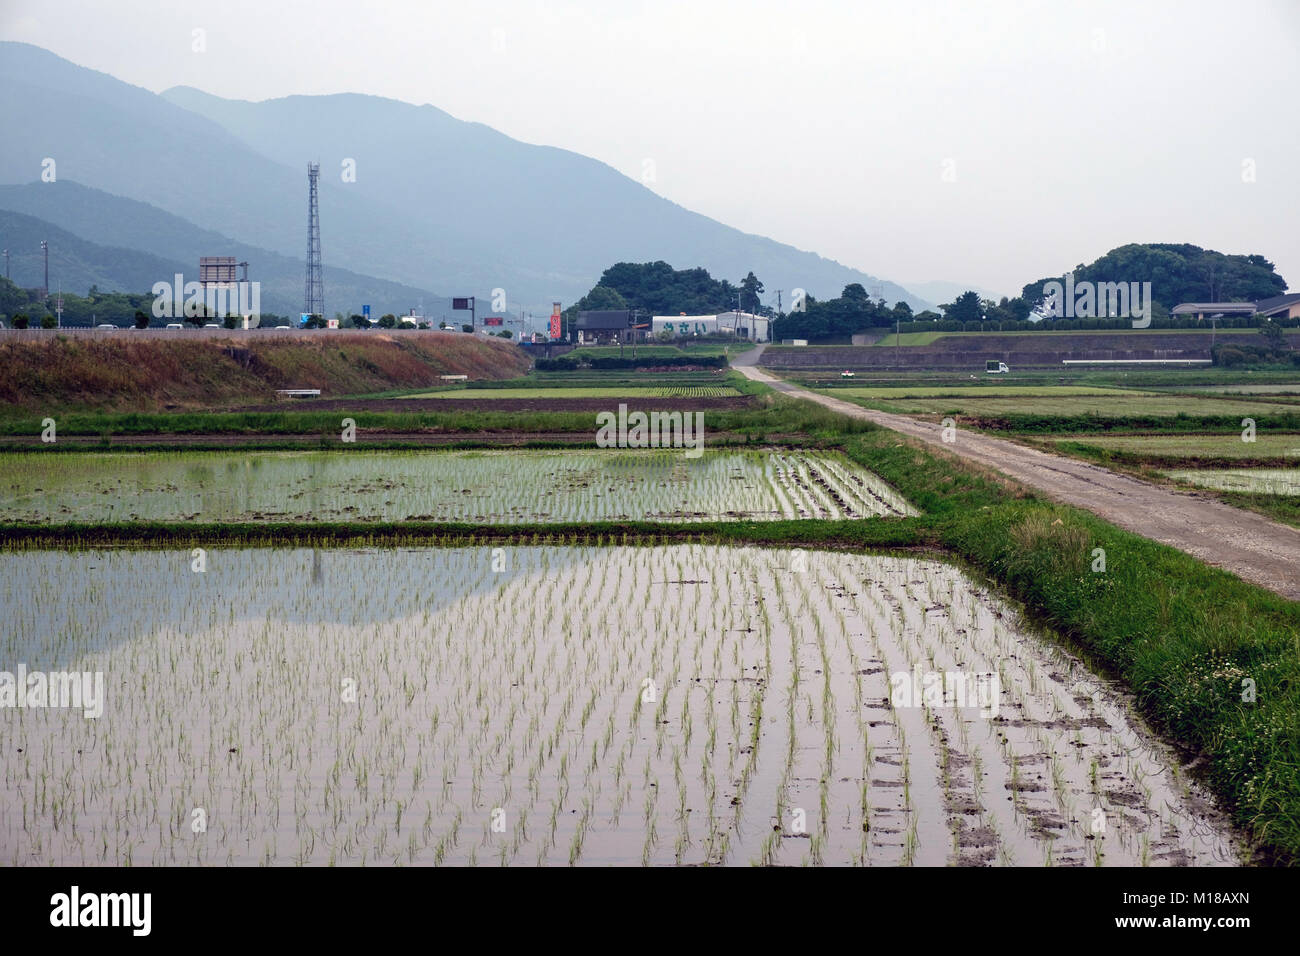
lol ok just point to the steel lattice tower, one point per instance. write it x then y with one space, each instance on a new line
313 300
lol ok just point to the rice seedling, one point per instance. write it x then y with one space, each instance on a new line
479 487
477 690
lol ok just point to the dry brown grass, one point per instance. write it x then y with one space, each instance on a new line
148 373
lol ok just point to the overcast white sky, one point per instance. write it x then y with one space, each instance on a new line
986 143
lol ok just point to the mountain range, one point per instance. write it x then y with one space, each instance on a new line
414 203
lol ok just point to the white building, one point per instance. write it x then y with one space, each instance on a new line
746 325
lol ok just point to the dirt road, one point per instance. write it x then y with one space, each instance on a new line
1249 545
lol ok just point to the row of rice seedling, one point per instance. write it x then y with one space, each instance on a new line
1268 481
516 706
515 486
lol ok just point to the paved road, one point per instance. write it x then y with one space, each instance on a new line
1249 545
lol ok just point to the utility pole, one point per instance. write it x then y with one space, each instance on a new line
45 249
6 263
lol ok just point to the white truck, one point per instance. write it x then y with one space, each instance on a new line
994 367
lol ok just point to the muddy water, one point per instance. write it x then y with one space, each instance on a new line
519 486
677 705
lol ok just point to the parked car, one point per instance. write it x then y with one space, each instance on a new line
106 325
213 325
846 374
175 325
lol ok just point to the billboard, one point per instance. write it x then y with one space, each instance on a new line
555 320
493 320
217 269
460 304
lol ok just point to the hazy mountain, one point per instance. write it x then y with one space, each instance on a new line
114 222
75 264
437 203
548 216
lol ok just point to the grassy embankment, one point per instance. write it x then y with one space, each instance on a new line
65 373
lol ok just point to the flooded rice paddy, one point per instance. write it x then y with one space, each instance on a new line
468 486
676 705
1269 481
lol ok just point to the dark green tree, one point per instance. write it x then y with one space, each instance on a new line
750 290
965 308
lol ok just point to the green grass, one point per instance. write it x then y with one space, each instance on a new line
910 338
1102 405
605 391
981 391
1188 449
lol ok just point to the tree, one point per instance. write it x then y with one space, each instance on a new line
853 292
506 334
1274 335
965 308
48 321
601 299
20 321
388 321
467 327
231 321
750 290
141 319
359 321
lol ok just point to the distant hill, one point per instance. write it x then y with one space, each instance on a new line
76 264
438 203
175 245
535 216
1178 272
